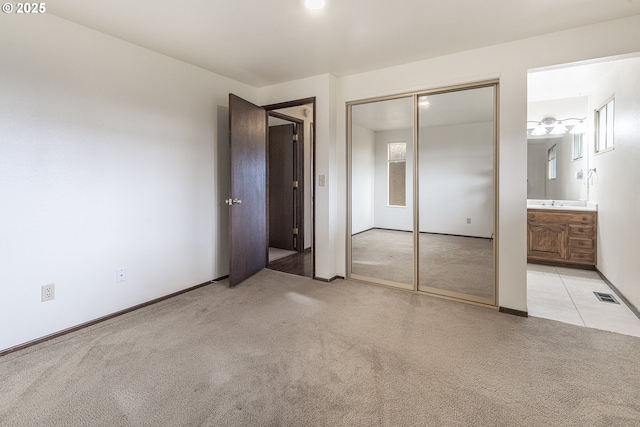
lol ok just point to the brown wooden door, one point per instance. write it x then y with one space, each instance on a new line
248 198
281 189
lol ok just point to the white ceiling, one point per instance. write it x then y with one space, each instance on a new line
262 42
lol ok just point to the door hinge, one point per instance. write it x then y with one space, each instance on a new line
295 184
295 231
295 137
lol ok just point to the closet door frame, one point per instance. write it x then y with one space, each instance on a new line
470 299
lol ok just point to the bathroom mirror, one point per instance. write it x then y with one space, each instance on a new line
568 181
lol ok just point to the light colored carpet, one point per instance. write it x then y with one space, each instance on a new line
282 350
452 263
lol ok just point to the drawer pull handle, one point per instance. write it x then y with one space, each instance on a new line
581 256
584 218
562 229
581 230
581 243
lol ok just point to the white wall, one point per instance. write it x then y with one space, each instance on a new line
615 185
363 179
536 170
108 159
509 62
456 179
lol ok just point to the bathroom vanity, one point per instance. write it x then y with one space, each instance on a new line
562 233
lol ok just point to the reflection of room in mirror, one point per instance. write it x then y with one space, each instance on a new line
456 196
568 182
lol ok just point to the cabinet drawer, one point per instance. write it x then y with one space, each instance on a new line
581 230
540 215
585 218
578 243
582 256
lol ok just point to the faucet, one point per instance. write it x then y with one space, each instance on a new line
553 203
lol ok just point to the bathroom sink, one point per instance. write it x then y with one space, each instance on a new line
567 205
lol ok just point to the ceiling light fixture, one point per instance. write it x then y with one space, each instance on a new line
314 4
558 127
423 101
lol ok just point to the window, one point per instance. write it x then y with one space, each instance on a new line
551 155
397 170
604 127
578 144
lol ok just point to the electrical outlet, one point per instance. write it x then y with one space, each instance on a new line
48 292
121 275
321 180
468 220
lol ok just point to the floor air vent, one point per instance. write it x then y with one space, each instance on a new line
606 297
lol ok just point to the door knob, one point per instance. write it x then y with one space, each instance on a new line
233 201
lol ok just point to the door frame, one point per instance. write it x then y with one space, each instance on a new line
298 103
299 175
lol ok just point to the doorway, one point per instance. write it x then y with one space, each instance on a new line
569 168
290 151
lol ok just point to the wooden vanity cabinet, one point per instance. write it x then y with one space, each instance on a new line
562 237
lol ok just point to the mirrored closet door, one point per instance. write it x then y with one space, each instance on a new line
432 230
381 189
456 134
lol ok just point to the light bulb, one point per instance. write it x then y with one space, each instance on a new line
559 129
314 4
579 128
539 130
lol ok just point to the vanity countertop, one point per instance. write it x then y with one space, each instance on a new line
562 205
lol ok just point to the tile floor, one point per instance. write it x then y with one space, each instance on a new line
276 253
566 295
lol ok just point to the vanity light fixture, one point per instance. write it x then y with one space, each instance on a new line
558 127
314 4
579 128
539 130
